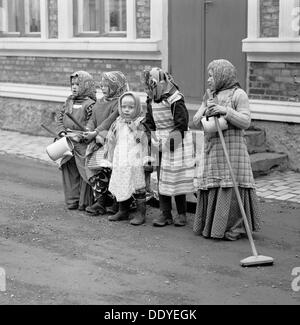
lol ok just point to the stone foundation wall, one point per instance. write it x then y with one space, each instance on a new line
26 116
282 137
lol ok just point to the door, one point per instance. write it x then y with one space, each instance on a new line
186 52
201 31
225 28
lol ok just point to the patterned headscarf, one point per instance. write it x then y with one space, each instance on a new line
224 75
160 84
116 82
138 107
87 86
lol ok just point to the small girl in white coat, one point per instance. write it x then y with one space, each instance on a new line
127 146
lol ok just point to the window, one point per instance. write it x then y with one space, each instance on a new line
100 18
20 18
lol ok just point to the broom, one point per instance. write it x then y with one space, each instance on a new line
255 259
49 130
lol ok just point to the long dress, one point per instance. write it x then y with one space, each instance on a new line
75 183
105 112
218 214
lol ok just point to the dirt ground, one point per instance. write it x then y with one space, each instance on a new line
55 256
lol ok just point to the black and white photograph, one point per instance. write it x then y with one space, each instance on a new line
149 155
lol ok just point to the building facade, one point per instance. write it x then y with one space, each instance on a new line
43 41
273 83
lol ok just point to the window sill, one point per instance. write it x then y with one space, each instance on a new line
110 48
54 94
272 49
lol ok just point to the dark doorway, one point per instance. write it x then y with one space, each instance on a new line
201 31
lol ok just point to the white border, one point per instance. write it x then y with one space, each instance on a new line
83 48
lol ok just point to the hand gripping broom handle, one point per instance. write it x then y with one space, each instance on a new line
236 189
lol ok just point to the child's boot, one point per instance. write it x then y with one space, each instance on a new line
122 214
164 219
113 209
98 208
140 216
180 220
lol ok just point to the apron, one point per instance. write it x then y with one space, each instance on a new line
177 168
127 172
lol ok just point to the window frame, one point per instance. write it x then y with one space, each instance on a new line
272 49
101 32
284 48
22 33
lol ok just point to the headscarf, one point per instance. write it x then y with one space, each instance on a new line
87 86
160 84
224 75
116 82
138 112
133 125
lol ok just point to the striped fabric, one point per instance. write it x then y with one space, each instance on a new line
178 167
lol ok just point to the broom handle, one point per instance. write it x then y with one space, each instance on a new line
49 130
236 189
82 128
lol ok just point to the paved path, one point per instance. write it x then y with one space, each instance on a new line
284 186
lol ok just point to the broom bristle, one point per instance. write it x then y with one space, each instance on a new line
259 260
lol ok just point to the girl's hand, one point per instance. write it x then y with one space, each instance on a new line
214 109
89 136
198 116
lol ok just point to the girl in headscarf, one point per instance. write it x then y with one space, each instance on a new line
128 151
218 214
78 194
105 112
168 118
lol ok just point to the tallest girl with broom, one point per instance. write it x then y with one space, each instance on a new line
218 214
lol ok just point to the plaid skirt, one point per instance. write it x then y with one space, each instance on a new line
218 214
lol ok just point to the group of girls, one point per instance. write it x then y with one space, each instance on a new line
122 144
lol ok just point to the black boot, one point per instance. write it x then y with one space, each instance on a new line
122 214
113 208
140 217
98 208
